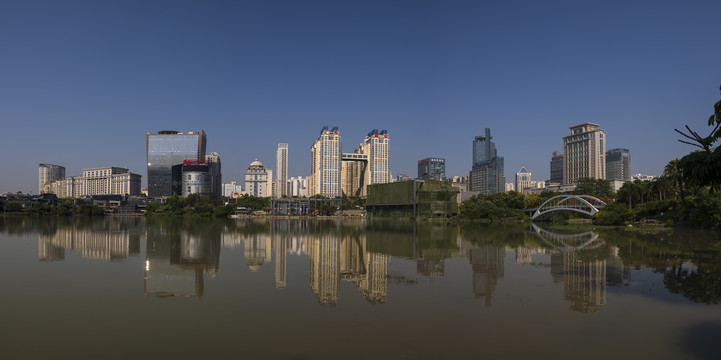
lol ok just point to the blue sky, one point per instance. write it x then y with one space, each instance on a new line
81 82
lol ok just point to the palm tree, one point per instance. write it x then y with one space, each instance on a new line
673 171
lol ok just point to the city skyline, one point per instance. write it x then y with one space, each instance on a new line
83 83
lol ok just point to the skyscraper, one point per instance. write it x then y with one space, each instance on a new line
432 168
281 170
325 164
48 173
166 149
216 176
618 164
523 179
487 173
584 153
556 168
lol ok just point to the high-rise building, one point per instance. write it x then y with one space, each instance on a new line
258 180
48 173
196 178
556 168
432 168
618 164
166 149
584 153
523 179
487 173
216 176
281 170
325 164
377 146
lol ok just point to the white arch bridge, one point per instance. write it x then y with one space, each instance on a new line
584 204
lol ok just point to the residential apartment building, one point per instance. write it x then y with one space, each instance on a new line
48 173
281 171
523 179
325 164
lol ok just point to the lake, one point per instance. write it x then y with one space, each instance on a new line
124 287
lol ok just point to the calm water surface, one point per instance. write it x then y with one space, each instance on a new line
115 288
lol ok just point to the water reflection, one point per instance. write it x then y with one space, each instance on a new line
177 257
180 254
98 240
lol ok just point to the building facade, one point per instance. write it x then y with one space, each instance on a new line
523 179
325 164
556 168
487 173
432 168
232 190
618 164
167 149
258 180
48 173
196 178
584 153
108 180
353 174
281 170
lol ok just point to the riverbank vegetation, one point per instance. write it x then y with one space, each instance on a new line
63 207
193 205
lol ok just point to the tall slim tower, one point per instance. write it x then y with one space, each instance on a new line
556 168
325 164
281 168
166 149
48 173
487 173
584 153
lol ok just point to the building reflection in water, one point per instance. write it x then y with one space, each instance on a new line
584 264
178 259
99 240
487 264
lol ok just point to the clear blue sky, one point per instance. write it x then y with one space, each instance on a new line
81 82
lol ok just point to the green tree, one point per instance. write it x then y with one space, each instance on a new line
595 187
703 167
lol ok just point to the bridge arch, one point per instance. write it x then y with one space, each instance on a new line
584 204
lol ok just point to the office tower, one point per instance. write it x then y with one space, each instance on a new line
486 174
377 146
325 164
556 168
523 179
618 164
432 168
258 180
584 153
166 149
216 176
48 173
281 170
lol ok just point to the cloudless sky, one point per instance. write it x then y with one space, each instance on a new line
82 82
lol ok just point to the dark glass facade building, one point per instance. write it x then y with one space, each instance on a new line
166 149
432 168
556 168
618 164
